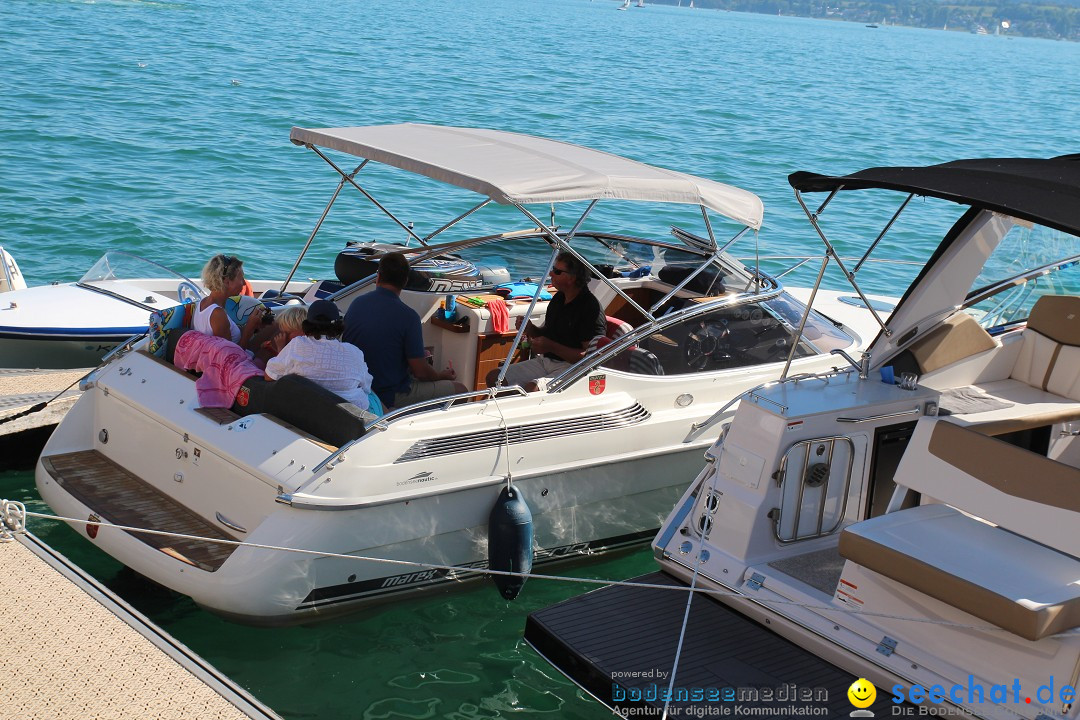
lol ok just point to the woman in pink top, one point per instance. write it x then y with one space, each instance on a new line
223 277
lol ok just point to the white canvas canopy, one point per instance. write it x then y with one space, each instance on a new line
521 169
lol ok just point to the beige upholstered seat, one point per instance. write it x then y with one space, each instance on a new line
1044 385
1017 568
997 576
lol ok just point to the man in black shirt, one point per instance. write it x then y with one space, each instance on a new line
573 318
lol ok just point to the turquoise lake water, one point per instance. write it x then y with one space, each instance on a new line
162 128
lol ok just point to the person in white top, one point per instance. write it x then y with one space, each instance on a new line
223 277
319 355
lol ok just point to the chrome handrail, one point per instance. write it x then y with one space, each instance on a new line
590 362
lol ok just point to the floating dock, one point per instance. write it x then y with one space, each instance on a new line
22 439
618 643
72 649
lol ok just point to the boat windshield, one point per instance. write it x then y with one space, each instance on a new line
1030 261
120 266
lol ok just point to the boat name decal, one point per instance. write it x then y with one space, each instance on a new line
420 477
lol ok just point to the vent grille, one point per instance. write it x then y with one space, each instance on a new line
466 442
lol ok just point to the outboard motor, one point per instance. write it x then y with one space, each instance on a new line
441 274
510 541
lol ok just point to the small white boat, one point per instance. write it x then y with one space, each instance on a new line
73 325
922 535
624 6
599 454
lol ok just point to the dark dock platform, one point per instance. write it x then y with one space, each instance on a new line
618 643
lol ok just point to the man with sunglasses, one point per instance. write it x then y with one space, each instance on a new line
573 318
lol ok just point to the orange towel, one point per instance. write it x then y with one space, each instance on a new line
500 316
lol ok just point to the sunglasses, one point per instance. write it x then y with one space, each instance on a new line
557 271
228 263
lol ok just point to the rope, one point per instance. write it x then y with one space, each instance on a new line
12 519
42 405
686 612
506 436
509 573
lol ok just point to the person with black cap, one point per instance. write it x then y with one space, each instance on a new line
320 356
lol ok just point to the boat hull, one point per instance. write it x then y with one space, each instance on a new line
416 544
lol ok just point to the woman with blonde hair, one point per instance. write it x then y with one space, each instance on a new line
223 277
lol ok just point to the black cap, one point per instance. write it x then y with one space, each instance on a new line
323 312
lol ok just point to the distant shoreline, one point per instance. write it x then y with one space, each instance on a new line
1049 21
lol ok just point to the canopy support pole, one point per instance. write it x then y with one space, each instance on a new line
557 244
689 278
805 317
311 237
830 251
882 235
366 194
455 221
576 254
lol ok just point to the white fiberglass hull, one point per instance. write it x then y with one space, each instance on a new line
600 464
265 586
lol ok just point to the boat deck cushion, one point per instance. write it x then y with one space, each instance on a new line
997 576
958 337
1022 491
1043 386
162 321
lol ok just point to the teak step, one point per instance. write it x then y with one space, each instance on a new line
121 498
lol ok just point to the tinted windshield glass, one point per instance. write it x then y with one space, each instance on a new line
732 337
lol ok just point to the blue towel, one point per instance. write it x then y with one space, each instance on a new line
523 290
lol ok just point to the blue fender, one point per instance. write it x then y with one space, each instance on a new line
510 541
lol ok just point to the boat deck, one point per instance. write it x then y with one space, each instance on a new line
618 643
123 499
73 650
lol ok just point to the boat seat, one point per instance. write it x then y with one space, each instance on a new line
958 337
1022 491
615 329
997 576
1043 387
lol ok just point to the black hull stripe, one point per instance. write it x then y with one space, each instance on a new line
354 592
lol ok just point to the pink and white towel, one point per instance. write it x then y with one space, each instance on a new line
224 366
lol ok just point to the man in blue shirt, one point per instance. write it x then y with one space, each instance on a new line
388 331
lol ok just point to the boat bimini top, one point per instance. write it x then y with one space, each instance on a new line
1000 193
520 170
514 169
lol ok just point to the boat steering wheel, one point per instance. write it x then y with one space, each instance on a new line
187 292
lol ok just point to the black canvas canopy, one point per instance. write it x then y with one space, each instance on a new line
1044 191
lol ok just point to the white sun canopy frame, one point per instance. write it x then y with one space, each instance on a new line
514 169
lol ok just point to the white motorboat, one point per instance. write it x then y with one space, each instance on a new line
74 325
922 535
600 454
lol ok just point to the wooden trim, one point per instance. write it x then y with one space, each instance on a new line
122 498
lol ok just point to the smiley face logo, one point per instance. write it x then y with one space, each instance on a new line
862 693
